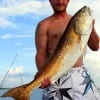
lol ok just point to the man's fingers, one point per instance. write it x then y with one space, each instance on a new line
45 83
93 22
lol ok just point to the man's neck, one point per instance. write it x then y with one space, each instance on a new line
61 14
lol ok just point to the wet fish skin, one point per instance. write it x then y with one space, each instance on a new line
70 48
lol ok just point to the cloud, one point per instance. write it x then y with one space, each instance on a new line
38 7
25 7
16 70
17 7
6 23
17 76
12 8
93 58
20 8
92 61
6 82
12 77
93 4
10 36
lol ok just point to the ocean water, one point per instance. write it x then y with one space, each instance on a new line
37 95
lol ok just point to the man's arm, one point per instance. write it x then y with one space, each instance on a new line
41 55
41 45
93 42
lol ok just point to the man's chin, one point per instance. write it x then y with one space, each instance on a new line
60 10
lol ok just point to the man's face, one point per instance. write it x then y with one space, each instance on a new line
59 5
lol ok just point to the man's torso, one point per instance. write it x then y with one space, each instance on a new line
56 28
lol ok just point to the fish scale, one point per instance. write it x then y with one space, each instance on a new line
70 48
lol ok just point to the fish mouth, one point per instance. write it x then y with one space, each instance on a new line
89 11
87 8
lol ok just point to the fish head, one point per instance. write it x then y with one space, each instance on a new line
83 21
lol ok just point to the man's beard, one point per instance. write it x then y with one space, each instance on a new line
60 8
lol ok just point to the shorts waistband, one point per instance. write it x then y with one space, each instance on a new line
82 67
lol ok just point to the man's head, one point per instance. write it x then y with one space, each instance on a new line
59 5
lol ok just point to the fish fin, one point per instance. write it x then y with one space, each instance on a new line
18 93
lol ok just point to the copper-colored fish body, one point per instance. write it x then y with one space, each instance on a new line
70 48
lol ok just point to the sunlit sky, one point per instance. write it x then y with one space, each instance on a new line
18 21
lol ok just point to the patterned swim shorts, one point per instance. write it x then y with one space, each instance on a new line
75 85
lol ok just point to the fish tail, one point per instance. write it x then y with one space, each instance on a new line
20 93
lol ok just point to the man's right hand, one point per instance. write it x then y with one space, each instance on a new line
45 83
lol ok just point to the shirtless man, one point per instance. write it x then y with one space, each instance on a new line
48 34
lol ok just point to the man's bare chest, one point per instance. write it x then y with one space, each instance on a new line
56 30
55 33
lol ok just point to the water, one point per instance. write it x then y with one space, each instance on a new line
37 95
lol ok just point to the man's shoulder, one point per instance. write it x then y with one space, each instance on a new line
43 25
45 22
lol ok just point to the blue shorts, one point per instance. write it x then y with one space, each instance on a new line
75 85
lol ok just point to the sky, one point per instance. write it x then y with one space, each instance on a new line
18 21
